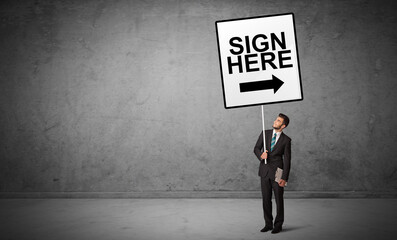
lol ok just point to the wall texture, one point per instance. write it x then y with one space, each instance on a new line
103 96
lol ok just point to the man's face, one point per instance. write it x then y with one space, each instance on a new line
278 123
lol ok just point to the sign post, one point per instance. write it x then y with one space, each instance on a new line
259 61
264 137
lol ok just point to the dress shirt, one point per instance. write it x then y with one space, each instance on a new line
277 136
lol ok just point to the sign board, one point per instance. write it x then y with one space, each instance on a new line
259 60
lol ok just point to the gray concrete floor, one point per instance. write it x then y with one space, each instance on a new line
202 219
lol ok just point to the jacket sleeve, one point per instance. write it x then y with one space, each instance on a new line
258 147
287 160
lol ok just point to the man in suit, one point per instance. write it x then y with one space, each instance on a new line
278 155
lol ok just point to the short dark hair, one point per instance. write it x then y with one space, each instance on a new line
285 119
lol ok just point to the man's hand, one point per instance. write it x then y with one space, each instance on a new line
282 183
264 155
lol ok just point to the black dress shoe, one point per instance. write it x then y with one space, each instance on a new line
266 228
277 229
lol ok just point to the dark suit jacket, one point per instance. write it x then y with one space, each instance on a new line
279 157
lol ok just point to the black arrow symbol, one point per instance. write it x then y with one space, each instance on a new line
274 84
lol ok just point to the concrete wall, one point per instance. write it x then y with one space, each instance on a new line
127 96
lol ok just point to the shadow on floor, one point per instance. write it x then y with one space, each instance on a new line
293 228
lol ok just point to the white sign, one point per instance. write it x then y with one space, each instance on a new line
259 60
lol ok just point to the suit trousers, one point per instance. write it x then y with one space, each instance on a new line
267 185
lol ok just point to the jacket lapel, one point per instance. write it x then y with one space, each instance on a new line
268 139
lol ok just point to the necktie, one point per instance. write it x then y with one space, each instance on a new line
273 142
